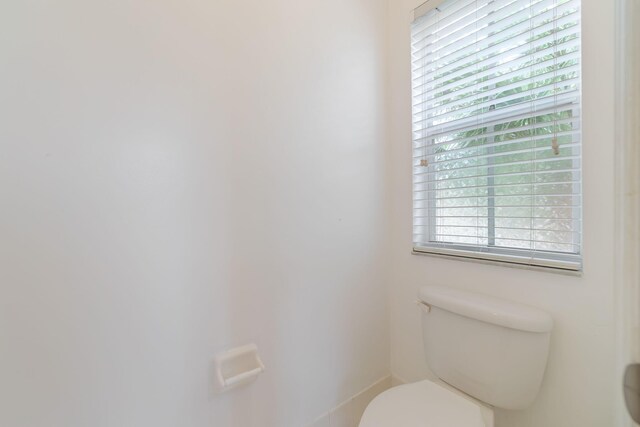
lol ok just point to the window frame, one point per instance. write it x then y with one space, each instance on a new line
544 259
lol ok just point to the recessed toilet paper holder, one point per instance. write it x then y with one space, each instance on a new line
237 367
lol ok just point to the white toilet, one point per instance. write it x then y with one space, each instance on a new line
485 351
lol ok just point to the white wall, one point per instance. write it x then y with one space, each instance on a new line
579 383
181 177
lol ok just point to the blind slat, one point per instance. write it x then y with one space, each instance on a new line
536 162
509 48
443 51
537 76
532 189
436 144
452 12
504 228
526 150
565 103
565 84
530 241
537 175
527 135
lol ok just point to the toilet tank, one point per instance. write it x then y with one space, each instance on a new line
491 349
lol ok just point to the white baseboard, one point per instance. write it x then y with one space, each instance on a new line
348 413
396 380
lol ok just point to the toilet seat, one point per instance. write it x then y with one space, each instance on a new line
425 404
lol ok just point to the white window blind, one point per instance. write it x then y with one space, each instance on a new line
496 131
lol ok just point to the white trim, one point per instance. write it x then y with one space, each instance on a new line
503 258
627 286
349 412
397 380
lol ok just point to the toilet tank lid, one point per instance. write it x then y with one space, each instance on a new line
487 309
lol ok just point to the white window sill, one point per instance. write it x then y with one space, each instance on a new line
499 260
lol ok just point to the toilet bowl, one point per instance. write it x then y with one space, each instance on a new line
486 352
426 404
